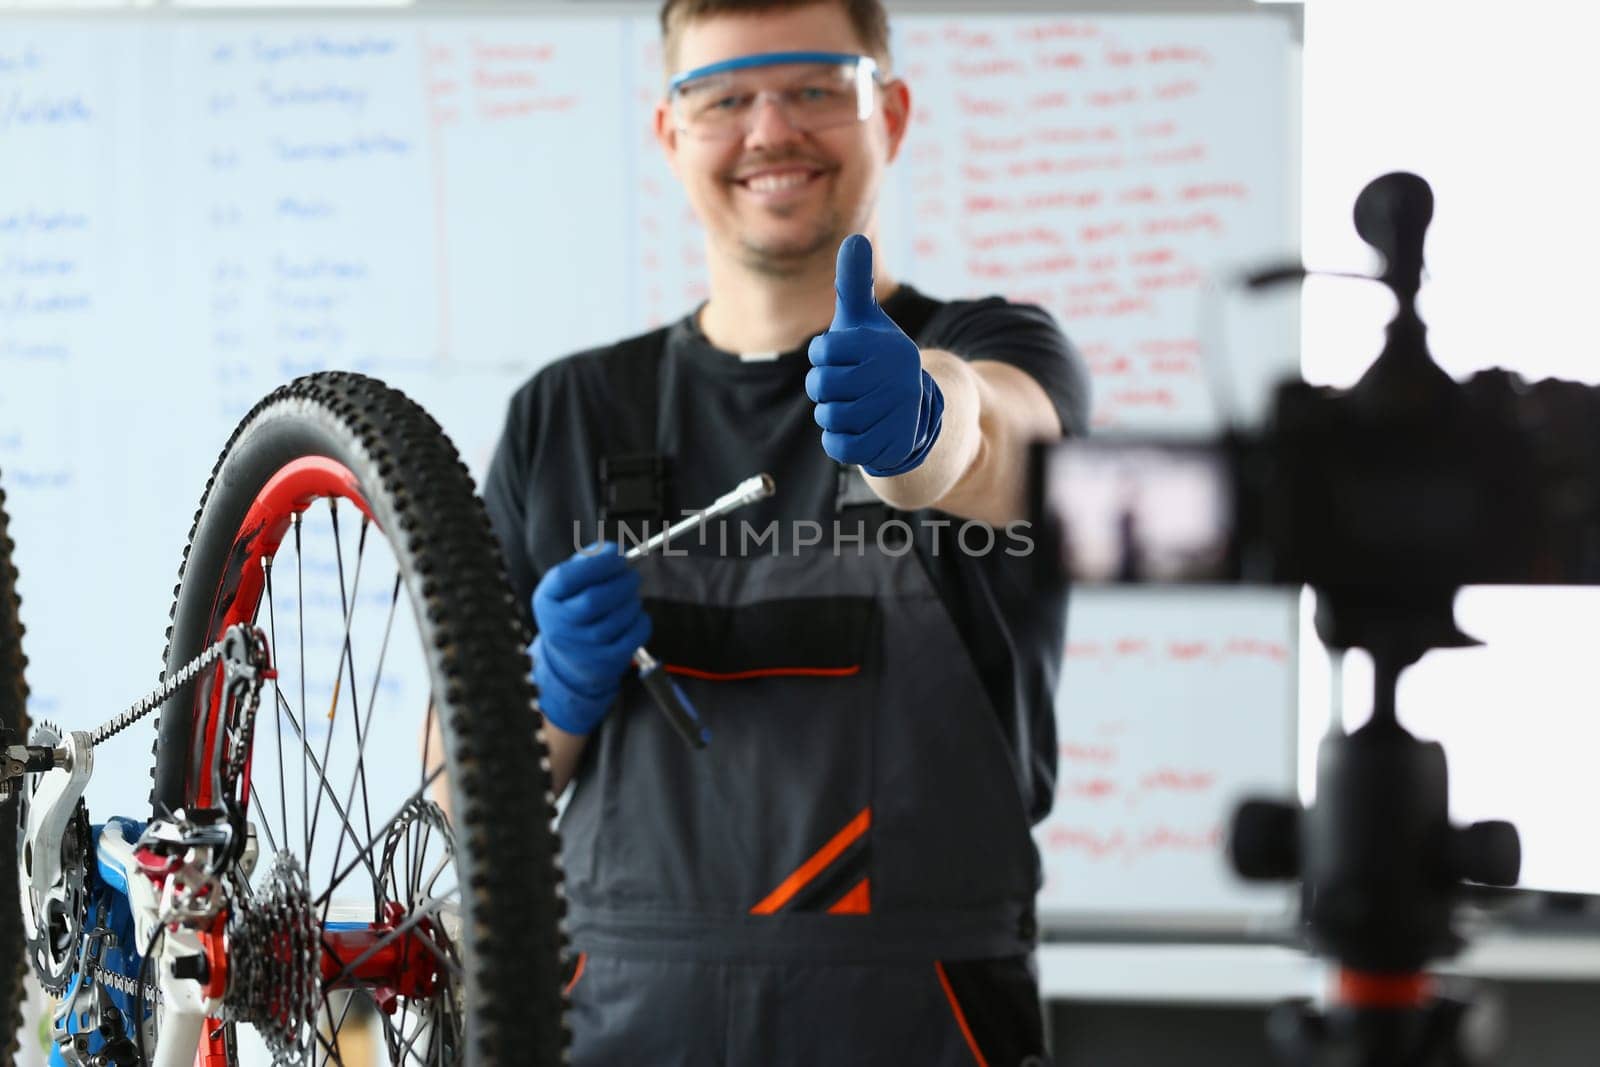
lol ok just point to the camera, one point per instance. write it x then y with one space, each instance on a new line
1385 498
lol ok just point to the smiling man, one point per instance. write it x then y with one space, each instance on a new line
845 875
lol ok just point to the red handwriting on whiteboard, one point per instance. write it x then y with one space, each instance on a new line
1077 200
1176 781
1194 222
962 37
1177 90
1074 752
1091 843
983 242
1088 788
1128 845
1061 61
1056 31
1194 152
1194 650
1215 191
513 53
1128 94
1162 399
1050 265
1187 278
513 109
988 68
511 79
1124 307
1060 165
1110 367
977 144
1177 54
981 107
1077 135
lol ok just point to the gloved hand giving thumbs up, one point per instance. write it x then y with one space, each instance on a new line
875 404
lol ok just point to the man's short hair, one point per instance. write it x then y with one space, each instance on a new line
869 18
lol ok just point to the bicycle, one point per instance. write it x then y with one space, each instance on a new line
222 919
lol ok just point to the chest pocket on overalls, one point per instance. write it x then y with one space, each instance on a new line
775 814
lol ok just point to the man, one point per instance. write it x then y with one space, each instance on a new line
845 875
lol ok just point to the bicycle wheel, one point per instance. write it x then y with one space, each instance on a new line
341 522
14 717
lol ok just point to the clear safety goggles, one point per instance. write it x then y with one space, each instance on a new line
812 90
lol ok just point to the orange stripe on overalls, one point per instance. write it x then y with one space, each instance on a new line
815 865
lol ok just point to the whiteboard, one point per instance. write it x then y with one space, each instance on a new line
195 209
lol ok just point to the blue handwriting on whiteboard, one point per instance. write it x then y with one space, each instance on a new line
33 350
25 222
12 62
317 46
374 146
321 333
21 478
292 207
37 267
345 96
310 270
306 302
23 302
43 111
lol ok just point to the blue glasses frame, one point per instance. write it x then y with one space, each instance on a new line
772 59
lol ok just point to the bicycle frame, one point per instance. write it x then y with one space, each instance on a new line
176 876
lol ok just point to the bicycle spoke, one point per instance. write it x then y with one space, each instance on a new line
361 744
266 824
277 714
331 1048
383 831
348 606
406 1051
338 688
325 788
300 609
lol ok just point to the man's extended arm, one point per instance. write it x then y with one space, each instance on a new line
977 468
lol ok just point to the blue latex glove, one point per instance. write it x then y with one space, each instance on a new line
875 404
590 622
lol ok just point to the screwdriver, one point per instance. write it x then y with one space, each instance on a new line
662 689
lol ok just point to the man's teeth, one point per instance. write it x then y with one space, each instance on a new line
771 183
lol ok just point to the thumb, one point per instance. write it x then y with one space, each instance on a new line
856 305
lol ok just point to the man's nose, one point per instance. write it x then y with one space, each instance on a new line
769 124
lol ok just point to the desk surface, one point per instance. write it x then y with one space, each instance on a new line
1263 974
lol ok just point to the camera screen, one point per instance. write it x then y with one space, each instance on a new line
1141 511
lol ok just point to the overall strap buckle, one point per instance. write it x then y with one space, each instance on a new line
635 491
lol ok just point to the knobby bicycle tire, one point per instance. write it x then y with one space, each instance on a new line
14 717
422 500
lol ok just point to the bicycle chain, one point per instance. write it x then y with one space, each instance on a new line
158 696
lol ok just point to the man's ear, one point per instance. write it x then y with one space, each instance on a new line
666 131
896 114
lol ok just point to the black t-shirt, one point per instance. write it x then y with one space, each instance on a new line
723 418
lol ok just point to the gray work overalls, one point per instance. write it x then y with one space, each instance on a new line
791 894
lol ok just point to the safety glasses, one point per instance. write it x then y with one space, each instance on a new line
812 90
